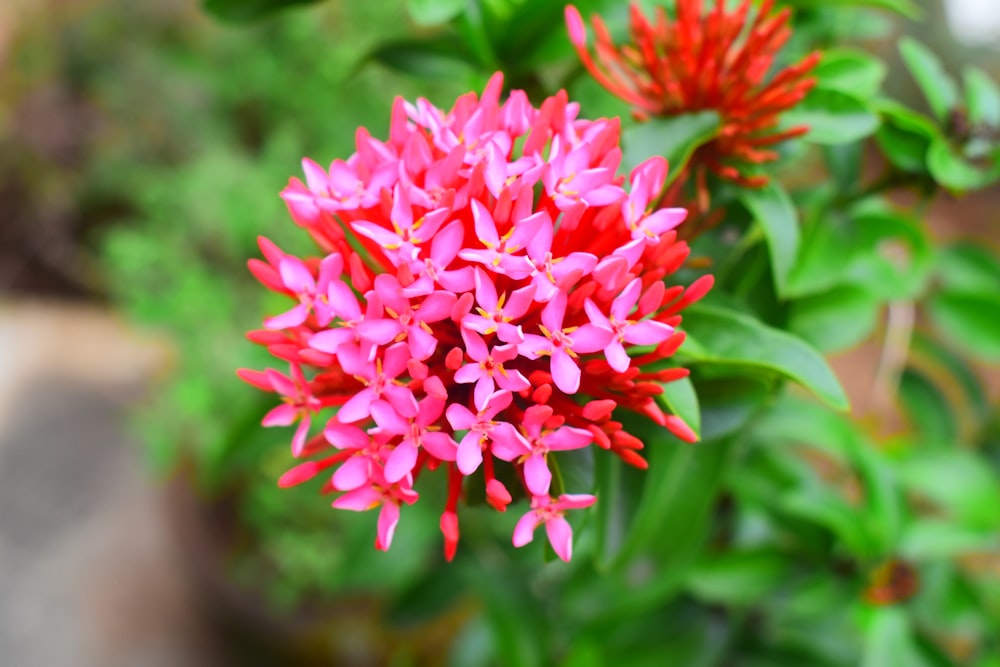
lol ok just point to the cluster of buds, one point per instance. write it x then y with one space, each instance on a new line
489 292
718 61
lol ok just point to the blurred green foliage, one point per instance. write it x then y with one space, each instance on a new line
791 535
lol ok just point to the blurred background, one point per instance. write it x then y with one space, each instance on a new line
142 149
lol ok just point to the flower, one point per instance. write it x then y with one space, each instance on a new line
714 61
488 294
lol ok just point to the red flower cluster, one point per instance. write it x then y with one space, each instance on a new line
715 61
488 293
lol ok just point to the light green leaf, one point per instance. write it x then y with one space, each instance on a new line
970 319
737 577
850 71
674 138
774 211
680 399
928 410
905 136
833 117
434 12
244 11
969 267
937 86
982 97
935 539
906 8
836 319
889 640
950 168
959 482
730 338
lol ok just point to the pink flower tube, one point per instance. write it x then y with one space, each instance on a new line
488 292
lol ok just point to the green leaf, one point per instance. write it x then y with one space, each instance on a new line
959 482
927 408
905 8
969 319
244 11
982 97
891 254
937 86
572 471
850 71
969 267
905 136
434 12
889 640
832 116
774 211
439 57
680 399
836 319
674 138
927 540
828 238
737 578
950 168
950 370
734 339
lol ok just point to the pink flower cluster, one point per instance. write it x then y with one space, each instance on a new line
489 293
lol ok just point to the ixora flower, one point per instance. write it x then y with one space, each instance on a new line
488 293
697 61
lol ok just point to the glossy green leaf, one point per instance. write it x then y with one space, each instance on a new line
243 11
434 12
826 241
952 169
836 319
968 319
572 471
679 398
727 404
969 267
833 117
937 86
951 371
737 577
850 71
734 339
674 138
891 256
982 97
774 211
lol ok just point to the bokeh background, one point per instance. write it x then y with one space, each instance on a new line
142 147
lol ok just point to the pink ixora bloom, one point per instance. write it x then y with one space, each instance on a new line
486 296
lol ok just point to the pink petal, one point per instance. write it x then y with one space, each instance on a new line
436 307
470 454
315 176
623 304
401 461
468 373
388 419
343 301
663 220
385 238
422 344
486 229
282 415
574 501
474 346
289 319
537 476
352 474
508 444
388 518
402 400
617 358
447 243
379 332
513 381
357 407
460 417
439 445
299 439
648 332
560 537
524 531
565 372
329 341
554 312
345 436
486 291
568 437
519 302
484 387
589 338
296 276
359 500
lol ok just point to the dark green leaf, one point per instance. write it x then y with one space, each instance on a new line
730 338
905 136
774 211
434 12
572 471
950 370
905 8
982 97
970 320
440 57
836 319
937 86
674 138
827 240
850 71
243 11
891 255
833 117
727 404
